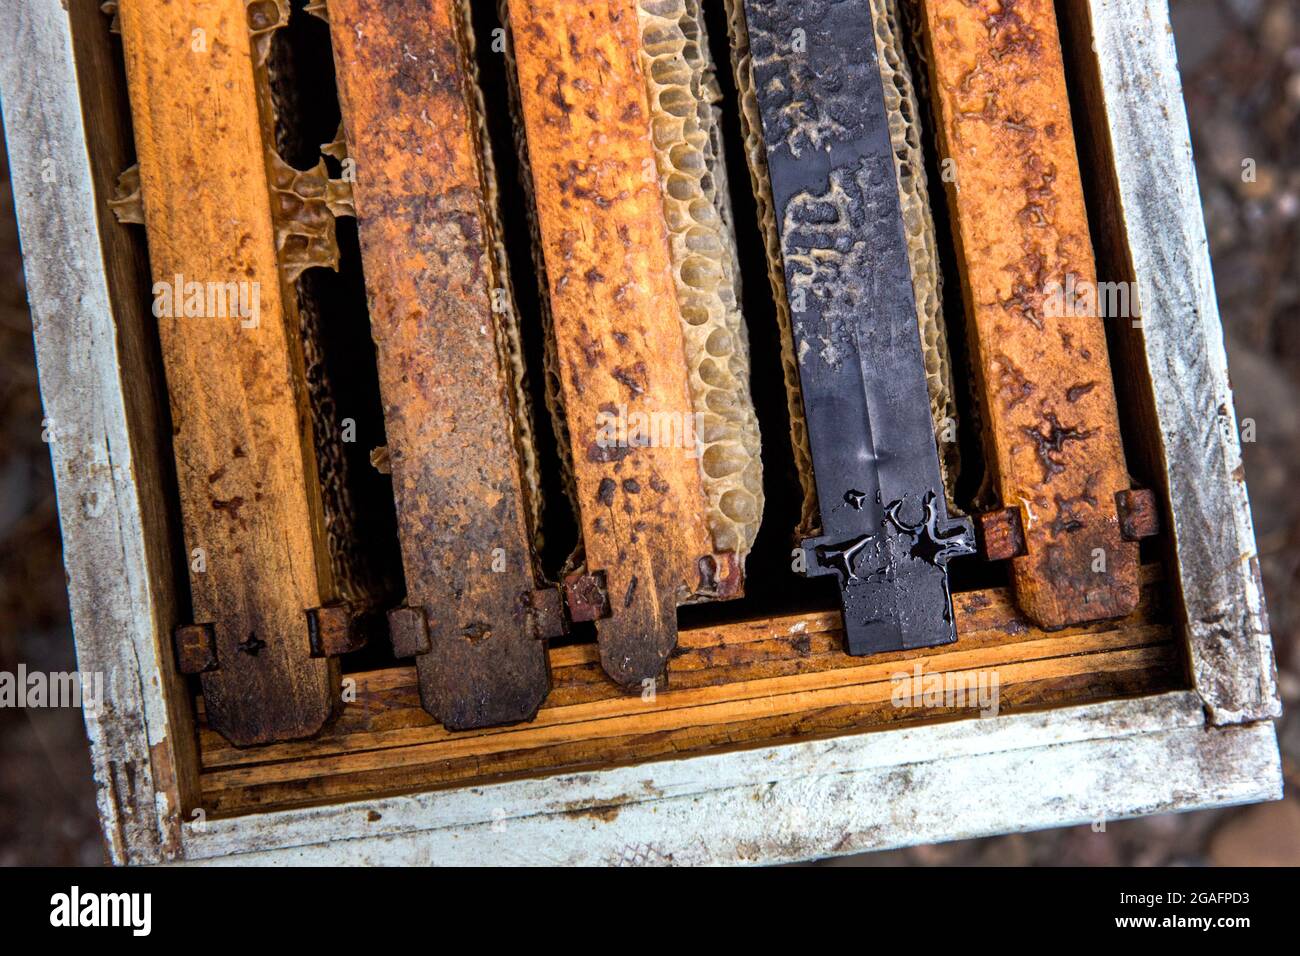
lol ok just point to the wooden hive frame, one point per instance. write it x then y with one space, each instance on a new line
828 171
475 618
1015 190
1207 741
641 466
251 501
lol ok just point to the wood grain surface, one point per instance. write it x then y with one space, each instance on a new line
1021 229
250 501
617 320
735 684
441 311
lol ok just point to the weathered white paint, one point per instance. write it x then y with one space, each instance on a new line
813 798
813 813
1227 627
629 806
857 753
115 613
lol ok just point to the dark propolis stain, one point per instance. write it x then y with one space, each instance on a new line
631 378
231 505
1052 442
1014 35
1076 392
605 493
604 454
1067 518
1012 381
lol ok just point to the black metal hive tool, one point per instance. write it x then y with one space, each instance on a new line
886 531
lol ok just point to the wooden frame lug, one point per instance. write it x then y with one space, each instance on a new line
1139 514
1001 535
585 596
196 648
332 630
547 613
408 629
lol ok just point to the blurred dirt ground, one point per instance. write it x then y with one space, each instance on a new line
1240 61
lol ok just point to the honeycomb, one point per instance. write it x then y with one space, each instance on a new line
304 208
683 94
751 128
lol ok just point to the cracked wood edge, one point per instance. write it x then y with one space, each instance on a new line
1020 227
1149 146
858 792
93 356
241 426
433 267
616 315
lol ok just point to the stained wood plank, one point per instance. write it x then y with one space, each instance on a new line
1154 233
617 321
801 801
245 462
728 685
101 392
1021 230
441 310
614 741
387 711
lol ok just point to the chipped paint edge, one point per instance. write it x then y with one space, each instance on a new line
1226 622
114 608
798 801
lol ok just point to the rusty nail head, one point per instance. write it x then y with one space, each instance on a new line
1139 516
332 630
586 597
721 576
546 607
409 630
1001 534
196 648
